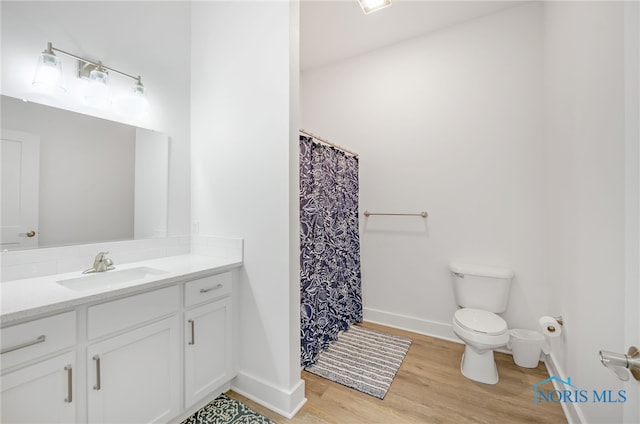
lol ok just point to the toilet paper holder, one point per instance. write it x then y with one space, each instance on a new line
616 362
552 329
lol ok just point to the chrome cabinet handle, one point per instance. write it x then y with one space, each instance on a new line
69 371
97 385
40 339
219 286
193 332
27 234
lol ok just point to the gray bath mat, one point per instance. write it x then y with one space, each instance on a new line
363 359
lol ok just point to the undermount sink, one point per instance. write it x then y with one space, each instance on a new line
109 278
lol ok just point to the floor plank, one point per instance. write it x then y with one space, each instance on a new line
428 388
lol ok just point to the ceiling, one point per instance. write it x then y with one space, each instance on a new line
331 30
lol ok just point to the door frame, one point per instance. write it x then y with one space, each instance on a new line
29 188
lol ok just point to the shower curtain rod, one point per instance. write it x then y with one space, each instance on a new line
322 140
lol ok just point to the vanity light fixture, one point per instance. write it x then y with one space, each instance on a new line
49 70
97 90
135 104
49 74
369 6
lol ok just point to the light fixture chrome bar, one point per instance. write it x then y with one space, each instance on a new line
98 65
423 214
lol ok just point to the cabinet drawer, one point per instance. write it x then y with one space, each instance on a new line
120 314
23 342
207 288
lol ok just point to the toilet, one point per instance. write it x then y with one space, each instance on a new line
481 292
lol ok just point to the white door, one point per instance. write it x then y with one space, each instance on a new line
134 377
207 352
41 393
20 189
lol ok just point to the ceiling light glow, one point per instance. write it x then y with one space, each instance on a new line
369 6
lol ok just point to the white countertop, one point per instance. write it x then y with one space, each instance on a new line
28 298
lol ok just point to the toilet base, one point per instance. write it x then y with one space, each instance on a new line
479 366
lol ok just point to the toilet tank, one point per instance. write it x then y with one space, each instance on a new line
481 287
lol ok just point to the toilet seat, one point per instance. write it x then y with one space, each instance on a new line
479 321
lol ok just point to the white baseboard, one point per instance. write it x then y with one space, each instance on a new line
285 403
436 329
571 410
439 330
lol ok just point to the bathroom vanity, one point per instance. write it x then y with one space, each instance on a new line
151 348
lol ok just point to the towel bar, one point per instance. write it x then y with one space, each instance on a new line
422 214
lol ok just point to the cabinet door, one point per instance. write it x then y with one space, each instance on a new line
207 351
134 377
41 393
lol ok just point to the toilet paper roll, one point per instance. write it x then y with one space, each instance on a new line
550 326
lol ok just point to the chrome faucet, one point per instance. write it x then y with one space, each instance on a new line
100 264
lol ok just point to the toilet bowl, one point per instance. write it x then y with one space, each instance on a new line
482 332
481 292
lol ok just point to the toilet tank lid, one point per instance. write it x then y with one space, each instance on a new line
481 270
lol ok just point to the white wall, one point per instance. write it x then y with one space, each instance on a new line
449 123
510 131
585 123
150 39
242 121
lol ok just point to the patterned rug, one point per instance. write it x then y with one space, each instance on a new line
224 410
363 359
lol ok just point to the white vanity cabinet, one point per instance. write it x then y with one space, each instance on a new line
150 354
134 376
38 377
41 393
207 336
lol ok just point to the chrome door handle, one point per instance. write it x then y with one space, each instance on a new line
40 339
69 371
617 361
97 385
193 332
219 286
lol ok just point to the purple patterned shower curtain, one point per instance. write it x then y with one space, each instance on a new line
330 289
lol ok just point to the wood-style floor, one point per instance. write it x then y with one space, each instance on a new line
428 388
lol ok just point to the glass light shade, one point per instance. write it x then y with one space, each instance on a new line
134 105
49 72
97 91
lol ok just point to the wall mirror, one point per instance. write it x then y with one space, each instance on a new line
69 178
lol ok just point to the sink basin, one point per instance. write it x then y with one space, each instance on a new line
109 279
